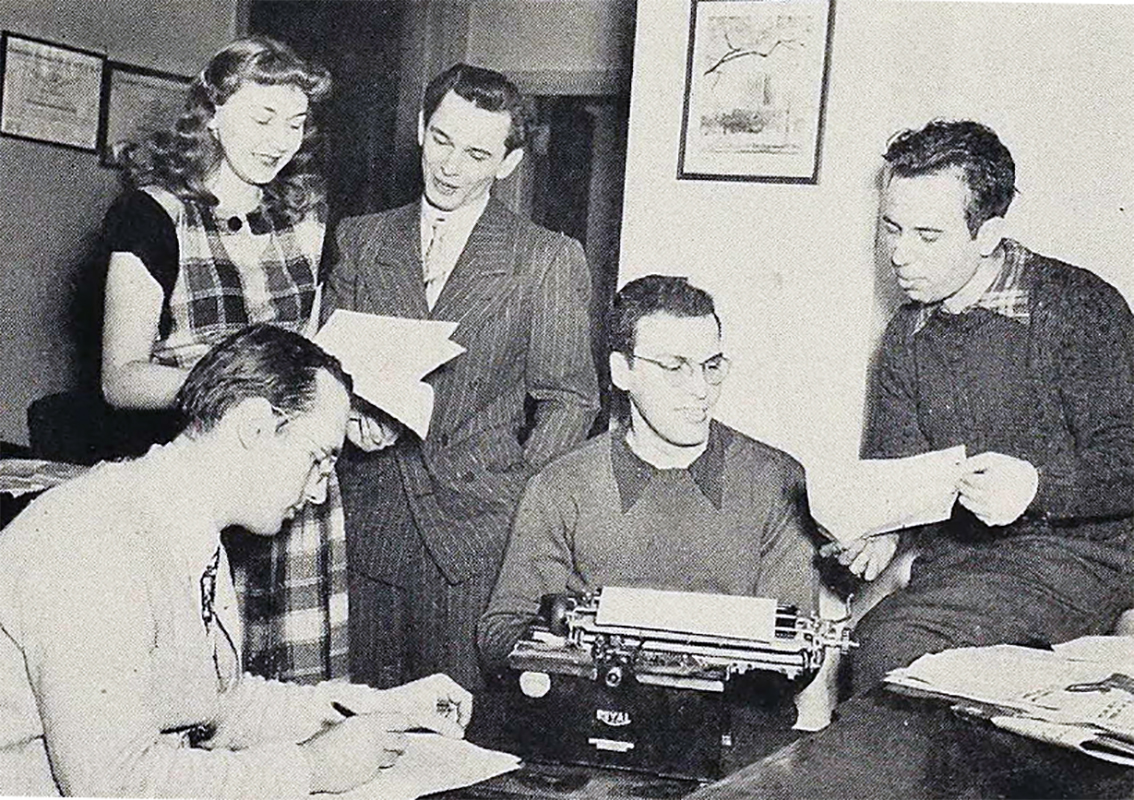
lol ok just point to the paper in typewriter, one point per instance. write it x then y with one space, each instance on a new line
852 499
433 763
387 357
736 617
1081 695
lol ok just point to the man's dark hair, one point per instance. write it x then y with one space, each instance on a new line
486 89
260 361
969 147
652 294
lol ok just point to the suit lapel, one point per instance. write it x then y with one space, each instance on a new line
397 264
482 271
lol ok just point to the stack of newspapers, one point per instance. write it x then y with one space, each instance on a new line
1079 694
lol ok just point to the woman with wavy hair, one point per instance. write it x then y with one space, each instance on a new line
224 228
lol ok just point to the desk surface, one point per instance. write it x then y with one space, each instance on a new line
882 746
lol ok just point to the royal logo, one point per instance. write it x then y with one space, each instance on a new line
615 719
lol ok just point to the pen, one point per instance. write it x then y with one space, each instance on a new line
346 712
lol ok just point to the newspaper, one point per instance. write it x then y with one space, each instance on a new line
387 357
1079 695
853 499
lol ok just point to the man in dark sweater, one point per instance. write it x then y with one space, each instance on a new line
670 498
1027 361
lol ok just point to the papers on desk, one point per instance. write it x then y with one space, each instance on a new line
24 475
434 763
852 499
387 357
733 616
1080 695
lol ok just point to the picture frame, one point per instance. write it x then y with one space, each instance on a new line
755 90
136 101
49 92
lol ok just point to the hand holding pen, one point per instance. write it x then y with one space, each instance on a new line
436 703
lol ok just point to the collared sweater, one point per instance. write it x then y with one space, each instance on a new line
734 522
1057 391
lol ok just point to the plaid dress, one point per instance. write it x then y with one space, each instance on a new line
291 587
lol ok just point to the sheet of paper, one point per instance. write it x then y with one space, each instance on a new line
23 475
388 357
689 612
434 763
864 498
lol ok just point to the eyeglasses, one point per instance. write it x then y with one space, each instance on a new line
322 462
678 369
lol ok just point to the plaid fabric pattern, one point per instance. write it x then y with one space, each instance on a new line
1006 296
214 296
292 587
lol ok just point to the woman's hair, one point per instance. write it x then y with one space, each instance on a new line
179 159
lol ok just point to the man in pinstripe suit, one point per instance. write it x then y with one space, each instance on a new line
427 520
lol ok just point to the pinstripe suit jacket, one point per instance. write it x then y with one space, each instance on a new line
520 294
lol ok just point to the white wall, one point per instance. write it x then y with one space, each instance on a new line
793 267
52 199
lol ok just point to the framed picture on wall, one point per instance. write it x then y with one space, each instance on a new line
755 89
136 101
49 92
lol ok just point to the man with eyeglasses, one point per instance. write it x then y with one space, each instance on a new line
120 661
669 498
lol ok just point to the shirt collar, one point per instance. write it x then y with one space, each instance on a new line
461 218
632 475
1006 294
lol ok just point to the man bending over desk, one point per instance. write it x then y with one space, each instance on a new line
669 498
119 663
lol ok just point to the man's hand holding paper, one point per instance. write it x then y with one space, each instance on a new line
371 431
997 488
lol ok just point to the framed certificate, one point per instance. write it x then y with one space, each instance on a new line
136 101
50 92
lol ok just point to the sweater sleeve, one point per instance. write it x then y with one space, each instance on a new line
787 546
1095 371
892 428
88 656
538 561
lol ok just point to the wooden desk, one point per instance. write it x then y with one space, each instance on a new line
884 745
551 782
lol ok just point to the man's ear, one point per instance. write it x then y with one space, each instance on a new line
620 370
254 421
421 128
989 236
509 164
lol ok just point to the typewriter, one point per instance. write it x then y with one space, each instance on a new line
653 680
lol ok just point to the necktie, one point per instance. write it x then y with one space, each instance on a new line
432 261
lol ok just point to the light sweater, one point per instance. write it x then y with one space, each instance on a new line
105 659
